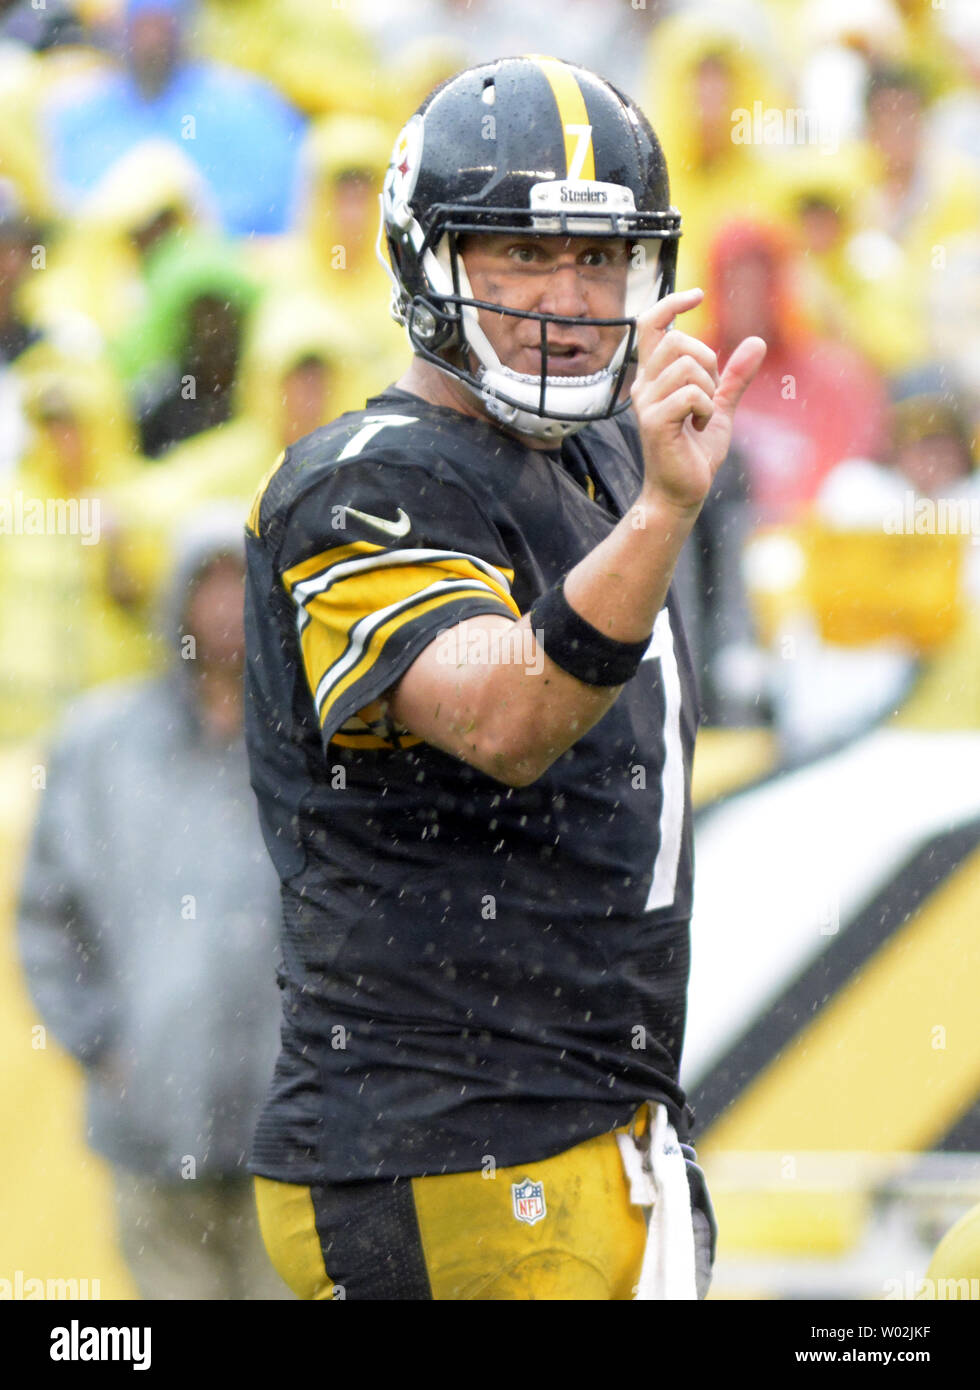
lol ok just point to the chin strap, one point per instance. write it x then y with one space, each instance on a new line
528 421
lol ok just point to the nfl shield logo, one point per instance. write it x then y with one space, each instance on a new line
529 1201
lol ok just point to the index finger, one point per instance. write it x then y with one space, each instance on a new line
654 322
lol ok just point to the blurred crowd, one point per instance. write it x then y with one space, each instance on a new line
189 282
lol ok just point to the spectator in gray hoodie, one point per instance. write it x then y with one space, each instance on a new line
148 925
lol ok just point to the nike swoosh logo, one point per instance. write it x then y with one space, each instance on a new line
401 525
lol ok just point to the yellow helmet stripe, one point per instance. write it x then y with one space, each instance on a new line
579 154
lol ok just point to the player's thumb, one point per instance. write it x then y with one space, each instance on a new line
740 371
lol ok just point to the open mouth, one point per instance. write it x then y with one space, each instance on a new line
568 359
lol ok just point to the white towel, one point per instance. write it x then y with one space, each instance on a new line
657 1175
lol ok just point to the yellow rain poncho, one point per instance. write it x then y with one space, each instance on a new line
944 206
96 270
315 54
296 341
855 289
900 31
333 248
67 620
736 177
21 153
920 227
422 65
27 80
930 46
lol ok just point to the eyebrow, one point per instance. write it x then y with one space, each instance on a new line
607 244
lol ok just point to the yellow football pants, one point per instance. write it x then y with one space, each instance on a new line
493 1235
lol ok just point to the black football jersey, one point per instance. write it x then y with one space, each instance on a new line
469 969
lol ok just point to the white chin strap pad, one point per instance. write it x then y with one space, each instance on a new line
573 395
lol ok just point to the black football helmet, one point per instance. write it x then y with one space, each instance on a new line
520 145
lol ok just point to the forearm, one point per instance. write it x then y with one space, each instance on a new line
494 698
513 720
622 584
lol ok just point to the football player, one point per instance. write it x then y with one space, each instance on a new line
471 715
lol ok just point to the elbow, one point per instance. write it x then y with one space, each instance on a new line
517 776
513 762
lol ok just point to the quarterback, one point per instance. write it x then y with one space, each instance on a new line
470 717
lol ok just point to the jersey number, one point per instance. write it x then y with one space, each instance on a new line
372 424
664 886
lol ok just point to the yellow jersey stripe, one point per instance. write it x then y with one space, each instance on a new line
330 636
361 637
573 115
253 516
370 728
381 635
319 564
322 647
374 741
324 572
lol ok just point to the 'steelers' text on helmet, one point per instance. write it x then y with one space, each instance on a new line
524 145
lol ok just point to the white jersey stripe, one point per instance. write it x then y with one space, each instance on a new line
363 630
320 582
663 889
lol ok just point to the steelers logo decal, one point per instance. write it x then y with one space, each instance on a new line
403 171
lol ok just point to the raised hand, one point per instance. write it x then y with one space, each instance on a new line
683 406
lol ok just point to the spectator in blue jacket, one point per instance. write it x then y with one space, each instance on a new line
226 121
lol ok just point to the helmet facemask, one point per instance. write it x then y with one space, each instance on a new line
443 319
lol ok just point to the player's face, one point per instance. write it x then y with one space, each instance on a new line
578 277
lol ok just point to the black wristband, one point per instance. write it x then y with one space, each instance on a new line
579 648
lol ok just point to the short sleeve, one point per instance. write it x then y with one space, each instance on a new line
378 558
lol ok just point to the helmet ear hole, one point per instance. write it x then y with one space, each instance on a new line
423 322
